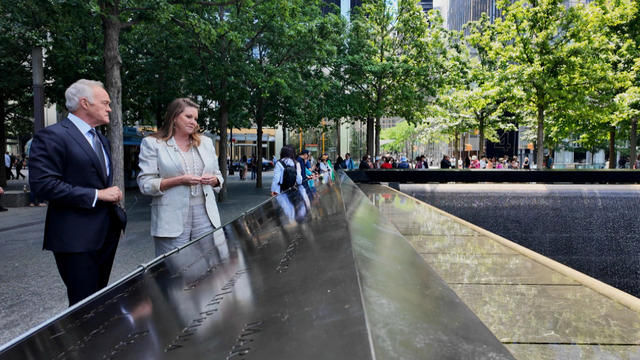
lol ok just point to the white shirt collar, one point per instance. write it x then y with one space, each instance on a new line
79 123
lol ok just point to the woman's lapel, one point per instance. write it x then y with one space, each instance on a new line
174 153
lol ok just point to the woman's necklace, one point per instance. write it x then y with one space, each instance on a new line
192 168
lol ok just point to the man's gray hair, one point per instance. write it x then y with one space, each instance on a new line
82 88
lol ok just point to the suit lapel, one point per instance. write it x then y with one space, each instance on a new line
174 154
79 138
204 155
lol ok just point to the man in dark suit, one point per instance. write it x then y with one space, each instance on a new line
70 165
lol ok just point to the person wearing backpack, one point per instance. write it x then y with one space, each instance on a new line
287 172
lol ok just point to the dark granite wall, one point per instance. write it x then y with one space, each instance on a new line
595 232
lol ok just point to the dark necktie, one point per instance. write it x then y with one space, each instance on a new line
97 147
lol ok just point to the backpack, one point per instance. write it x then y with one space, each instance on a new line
288 179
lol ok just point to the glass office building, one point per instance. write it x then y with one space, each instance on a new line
463 11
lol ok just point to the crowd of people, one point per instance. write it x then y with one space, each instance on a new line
447 162
303 169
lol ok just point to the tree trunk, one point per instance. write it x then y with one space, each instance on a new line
338 143
370 137
481 137
38 88
456 146
284 135
633 139
259 153
223 124
159 113
378 127
464 144
612 147
3 141
540 138
113 63
231 172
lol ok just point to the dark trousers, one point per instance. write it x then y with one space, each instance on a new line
85 273
18 174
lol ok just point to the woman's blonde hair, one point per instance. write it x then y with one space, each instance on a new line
174 109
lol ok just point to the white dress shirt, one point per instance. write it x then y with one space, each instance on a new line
85 129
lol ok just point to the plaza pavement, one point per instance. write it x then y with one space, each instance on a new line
31 290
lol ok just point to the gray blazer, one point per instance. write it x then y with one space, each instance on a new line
160 160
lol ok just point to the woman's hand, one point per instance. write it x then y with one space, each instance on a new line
190 180
208 179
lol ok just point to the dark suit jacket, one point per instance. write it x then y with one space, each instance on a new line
64 169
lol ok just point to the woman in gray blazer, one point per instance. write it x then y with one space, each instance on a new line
179 168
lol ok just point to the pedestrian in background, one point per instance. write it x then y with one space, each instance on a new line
364 163
179 169
254 167
243 168
323 168
386 163
19 164
281 176
7 165
419 163
348 162
70 166
445 163
305 171
339 163
404 164
331 167
637 163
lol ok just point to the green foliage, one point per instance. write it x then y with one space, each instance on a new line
21 28
400 136
544 60
395 61
571 73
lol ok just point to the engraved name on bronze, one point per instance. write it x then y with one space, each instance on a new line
82 342
127 341
84 318
192 285
210 308
241 347
288 255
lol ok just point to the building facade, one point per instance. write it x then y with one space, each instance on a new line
462 11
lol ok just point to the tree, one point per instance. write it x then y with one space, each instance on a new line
401 137
607 56
291 50
480 96
539 50
154 76
393 64
22 27
620 21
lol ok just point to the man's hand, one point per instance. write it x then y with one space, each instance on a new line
1 190
112 194
208 179
273 193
